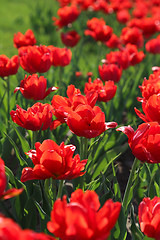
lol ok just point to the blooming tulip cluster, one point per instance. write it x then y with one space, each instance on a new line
64 179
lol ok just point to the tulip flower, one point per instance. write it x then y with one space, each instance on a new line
11 230
135 57
34 87
37 117
149 220
148 25
120 58
150 108
98 30
53 161
110 72
93 223
152 85
35 59
70 39
153 45
27 39
123 16
67 14
105 92
8 66
62 106
3 182
88 122
132 35
144 142
60 56
113 42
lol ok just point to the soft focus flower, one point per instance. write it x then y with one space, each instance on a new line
10 230
98 30
149 220
152 85
135 57
105 92
144 142
67 14
132 35
93 223
22 40
153 45
34 87
110 72
113 42
37 117
60 56
126 57
35 59
70 39
120 58
62 106
151 109
64 2
123 16
147 25
53 161
88 122
8 66
3 182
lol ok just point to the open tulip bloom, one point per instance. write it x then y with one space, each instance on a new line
34 87
53 161
93 223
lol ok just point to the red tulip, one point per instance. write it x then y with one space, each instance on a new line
151 109
153 45
67 15
105 92
60 56
144 142
110 72
88 122
62 106
27 39
3 182
34 88
120 58
8 66
53 161
37 117
152 85
113 42
132 35
123 16
135 57
70 39
98 30
10 230
149 220
148 25
35 59
94 222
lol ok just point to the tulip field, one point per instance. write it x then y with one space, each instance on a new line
80 120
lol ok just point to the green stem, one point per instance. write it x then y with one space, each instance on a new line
8 102
34 138
129 184
83 155
59 195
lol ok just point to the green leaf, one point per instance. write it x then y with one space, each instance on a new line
20 158
24 142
